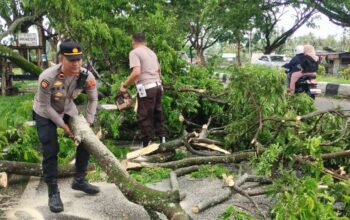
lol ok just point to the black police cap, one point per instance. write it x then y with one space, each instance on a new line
71 50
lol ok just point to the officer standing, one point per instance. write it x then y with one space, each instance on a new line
146 74
53 106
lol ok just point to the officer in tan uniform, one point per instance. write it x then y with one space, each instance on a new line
53 106
146 74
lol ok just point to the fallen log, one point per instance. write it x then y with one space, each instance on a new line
35 169
231 158
235 187
143 151
212 201
335 155
165 202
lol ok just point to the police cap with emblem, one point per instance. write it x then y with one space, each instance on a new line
71 50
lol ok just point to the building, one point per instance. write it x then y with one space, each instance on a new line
334 61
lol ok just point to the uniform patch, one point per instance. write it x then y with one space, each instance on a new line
58 94
91 84
44 83
57 83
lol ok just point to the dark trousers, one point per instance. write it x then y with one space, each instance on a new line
150 114
47 132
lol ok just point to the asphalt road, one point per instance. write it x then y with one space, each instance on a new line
324 103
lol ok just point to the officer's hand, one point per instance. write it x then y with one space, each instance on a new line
67 130
122 89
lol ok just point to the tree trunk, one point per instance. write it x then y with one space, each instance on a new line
34 169
19 61
239 52
165 202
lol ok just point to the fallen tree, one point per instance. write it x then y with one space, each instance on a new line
19 61
34 169
153 200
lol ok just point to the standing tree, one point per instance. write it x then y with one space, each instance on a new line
338 11
267 22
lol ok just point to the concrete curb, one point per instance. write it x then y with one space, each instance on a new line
333 89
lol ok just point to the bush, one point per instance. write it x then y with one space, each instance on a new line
345 73
321 70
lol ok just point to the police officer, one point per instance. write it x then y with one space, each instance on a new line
146 74
53 106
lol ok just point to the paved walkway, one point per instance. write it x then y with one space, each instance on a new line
110 203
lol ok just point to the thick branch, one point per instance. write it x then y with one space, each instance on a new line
165 202
232 158
19 61
14 25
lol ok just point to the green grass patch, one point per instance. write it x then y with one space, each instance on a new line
333 79
179 155
15 110
231 211
210 171
150 175
98 175
119 152
26 84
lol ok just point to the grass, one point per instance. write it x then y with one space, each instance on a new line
26 84
333 79
210 171
150 175
15 110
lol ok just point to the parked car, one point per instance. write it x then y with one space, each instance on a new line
271 60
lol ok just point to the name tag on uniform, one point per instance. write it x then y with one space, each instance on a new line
141 90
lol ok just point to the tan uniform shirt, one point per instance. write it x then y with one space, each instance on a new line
56 93
147 60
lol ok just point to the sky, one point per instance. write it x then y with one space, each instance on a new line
324 29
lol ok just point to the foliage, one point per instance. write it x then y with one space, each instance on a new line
24 147
345 73
341 192
15 110
337 10
179 155
231 211
210 171
301 199
118 152
150 175
265 162
321 70
97 175
250 94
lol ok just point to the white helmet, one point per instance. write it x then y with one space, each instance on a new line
299 49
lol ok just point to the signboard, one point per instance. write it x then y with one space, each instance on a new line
29 39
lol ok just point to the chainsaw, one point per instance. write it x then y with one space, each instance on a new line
123 100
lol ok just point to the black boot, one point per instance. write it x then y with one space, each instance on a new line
79 183
55 202
146 142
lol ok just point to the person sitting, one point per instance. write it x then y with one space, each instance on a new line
294 65
309 66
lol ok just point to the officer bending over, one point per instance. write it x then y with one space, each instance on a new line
53 106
